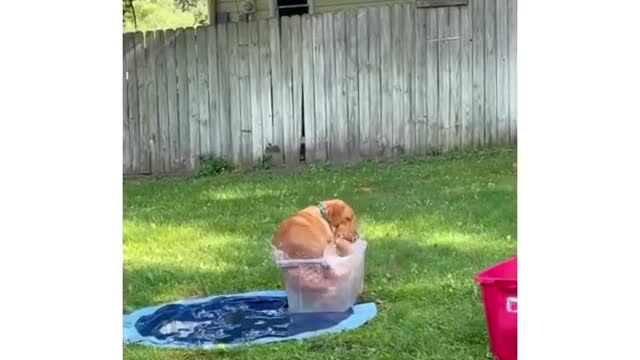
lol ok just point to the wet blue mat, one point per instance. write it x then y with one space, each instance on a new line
234 320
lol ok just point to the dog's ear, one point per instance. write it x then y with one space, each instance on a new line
335 208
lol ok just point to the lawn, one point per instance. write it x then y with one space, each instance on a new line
431 223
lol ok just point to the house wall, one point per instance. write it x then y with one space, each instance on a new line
331 5
263 7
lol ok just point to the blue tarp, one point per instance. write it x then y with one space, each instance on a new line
234 320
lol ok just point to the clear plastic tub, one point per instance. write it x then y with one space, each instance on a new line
329 284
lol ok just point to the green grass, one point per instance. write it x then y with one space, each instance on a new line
431 223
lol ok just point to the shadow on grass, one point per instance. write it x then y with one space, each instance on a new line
256 218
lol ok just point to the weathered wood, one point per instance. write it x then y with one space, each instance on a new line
340 136
163 160
173 129
420 84
140 166
478 23
266 114
318 84
214 111
127 54
455 117
440 3
194 103
386 81
363 83
150 127
224 93
277 95
202 61
433 109
182 86
373 82
490 73
407 79
255 96
234 94
397 33
466 78
203 91
375 92
444 83
308 88
287 92
353 146
330 84
502 75
244 96
513 73
296 81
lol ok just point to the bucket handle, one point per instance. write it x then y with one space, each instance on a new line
512 304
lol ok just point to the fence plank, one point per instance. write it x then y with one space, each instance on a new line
224 94
340 138
212 72
162 141
363 83
255 96
308 88
466 75
490 66
266 117
245 94
330 84
287 91
202 54
140 166
194 104
502 76
353 146
433 109
130 101
375 93
455 133
276 78
513 83
386 81
477 19
319 91
150 127
408 74
296 72
397 31
235 95
173 129
203 90
444 80
419 88
182 86
126 156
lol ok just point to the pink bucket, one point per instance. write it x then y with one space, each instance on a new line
499 285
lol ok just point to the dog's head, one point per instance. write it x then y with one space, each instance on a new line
342 218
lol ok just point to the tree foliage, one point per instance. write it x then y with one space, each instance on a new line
143 15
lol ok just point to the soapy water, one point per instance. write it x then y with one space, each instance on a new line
231 320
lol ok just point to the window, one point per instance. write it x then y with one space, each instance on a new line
291 7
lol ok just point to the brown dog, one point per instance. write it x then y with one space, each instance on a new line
306 234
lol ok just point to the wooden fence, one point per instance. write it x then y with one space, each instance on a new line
371 82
